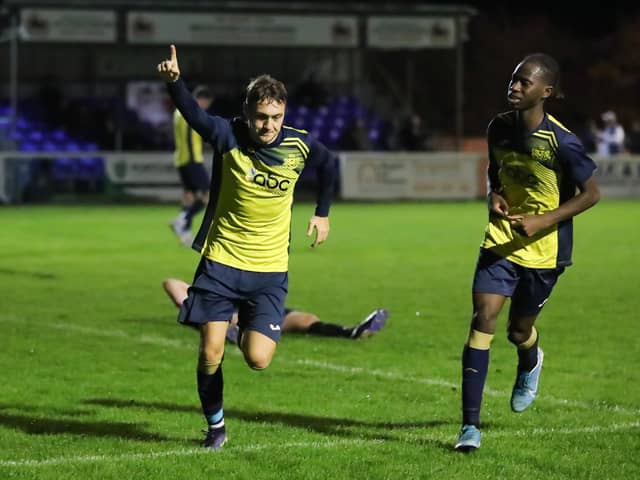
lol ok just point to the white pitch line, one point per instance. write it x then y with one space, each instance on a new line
528 433
165 342
443 383
147 339
376 373
330 444
567 431
121 335
178 452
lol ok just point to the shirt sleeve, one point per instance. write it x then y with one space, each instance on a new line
211 128
575 160
326 164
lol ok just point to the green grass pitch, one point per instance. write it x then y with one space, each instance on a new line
98 381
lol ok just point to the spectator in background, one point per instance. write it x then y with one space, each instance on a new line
585 131
633 140
355 137
611 138
412 135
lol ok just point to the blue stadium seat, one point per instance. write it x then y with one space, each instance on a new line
49 146
328 122
27 146
90 168
339 122
17 136
63 169
318 122
334 134
35 135
59 135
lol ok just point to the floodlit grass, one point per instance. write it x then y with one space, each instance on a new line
98 381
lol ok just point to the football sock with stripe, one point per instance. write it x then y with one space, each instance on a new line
210 388
475 364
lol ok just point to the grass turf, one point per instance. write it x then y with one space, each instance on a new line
98 381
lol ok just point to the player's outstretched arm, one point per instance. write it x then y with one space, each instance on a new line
196 117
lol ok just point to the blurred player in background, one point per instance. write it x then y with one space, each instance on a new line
245 232
611 138
294 320
535 167
188 160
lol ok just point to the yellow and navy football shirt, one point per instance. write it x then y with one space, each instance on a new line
247 221
188 144
535 172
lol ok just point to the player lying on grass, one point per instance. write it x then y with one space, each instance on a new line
294 320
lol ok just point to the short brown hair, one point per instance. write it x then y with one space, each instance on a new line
265 87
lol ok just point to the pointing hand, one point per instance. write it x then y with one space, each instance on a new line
168 70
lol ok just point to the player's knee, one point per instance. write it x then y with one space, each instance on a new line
210 356
312 318
484 319
257 361
208 367
309 319
518 336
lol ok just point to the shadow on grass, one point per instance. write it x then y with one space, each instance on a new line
45 410
326 425
52 426
38 275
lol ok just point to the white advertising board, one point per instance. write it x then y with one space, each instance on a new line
386 176
237 29
68 25
411 33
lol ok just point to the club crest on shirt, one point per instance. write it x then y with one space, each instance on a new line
294 161
542 155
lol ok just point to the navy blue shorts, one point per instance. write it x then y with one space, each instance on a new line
194 177
529 288
219 290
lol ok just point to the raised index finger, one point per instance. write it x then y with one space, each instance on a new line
174 57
